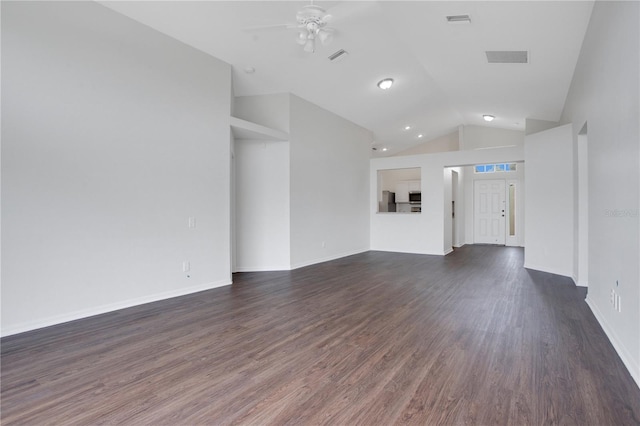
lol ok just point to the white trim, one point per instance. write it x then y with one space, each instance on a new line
545 269
85 313
509 240
623 353
327 258
446 252
577 282
263 268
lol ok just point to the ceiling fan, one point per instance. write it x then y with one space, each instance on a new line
311 24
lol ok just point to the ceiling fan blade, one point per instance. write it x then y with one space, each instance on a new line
270 27
347 9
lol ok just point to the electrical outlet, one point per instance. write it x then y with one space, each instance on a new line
186 266
323 244
616 301
191 223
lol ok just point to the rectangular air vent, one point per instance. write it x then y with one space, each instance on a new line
457 19
507 56
339 54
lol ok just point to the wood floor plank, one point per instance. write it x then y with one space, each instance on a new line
371 339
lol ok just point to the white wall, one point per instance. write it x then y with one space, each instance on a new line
474 137
424 233
448 220
581 211
329 185
459 221
535 126
113 136
444 143
262 205
605 93
267 110
549 201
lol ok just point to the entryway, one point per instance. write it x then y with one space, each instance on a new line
489 201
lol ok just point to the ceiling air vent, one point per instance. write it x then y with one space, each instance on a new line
458 19
507 56
338 55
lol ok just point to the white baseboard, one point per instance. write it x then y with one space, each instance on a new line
327 258
446 252
549 270
623 353
577 282
262 268
103 309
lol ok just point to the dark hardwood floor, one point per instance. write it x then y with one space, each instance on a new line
372 339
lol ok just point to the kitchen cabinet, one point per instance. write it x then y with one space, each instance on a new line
404 187
402 191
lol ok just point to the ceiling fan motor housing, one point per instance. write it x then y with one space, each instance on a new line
312 21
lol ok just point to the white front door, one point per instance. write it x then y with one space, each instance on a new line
489 211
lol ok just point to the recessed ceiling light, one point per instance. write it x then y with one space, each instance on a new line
407 127
384 149
420 135
488 117
249 70
385 84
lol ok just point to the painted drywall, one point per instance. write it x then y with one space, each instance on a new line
581 210
460 207
271 111
262 205
424 233
449 142
113 136
534 126
549 201
605 94
329 185
483 137
446 205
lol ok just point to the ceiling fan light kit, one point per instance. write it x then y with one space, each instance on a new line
312 23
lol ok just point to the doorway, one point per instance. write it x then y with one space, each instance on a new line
454 199
489 208
581 237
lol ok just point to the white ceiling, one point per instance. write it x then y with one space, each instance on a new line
442 78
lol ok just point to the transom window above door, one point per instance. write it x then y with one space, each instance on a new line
493 168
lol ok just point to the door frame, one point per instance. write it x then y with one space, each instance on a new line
508 239
475 207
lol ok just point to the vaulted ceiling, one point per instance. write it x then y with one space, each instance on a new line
441 73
